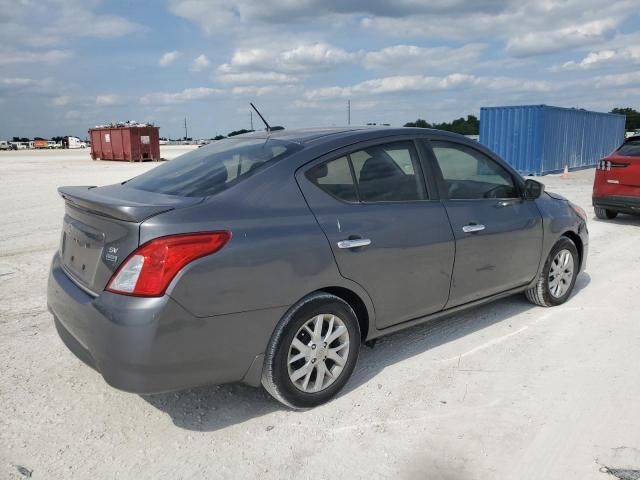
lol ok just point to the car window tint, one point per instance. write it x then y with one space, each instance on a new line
388 173
630 149
216 167
335 178
470 174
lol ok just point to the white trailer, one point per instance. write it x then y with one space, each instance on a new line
75 142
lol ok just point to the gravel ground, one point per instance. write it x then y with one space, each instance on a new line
507 390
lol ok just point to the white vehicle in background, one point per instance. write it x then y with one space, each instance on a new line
53 144
75 142
19 145
4 145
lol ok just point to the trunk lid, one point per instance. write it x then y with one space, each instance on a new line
101 227
625 170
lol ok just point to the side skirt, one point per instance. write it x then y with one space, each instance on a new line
444 313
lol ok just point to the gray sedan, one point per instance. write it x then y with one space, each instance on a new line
269 258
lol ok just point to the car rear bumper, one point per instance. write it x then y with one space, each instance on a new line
619 203
153 345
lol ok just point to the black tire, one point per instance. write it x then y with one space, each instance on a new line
604 213
275 375
540 294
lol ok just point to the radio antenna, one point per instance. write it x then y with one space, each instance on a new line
261 117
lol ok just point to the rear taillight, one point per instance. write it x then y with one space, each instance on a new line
608 165
148 271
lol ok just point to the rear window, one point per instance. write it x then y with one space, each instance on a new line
216 167
630 149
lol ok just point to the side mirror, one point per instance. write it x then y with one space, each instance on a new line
532 189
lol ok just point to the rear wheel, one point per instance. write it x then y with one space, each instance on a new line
604 213
558 276
312 352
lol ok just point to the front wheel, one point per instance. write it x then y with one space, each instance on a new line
605 214
312 352
558 277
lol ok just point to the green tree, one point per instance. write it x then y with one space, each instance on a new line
633 117
419 123
238 132
219 137
463 126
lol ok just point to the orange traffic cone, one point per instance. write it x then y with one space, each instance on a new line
565 174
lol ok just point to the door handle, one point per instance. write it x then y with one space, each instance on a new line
473 227
354 243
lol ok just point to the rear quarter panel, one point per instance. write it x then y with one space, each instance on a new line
277 253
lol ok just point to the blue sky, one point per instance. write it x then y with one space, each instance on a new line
68 65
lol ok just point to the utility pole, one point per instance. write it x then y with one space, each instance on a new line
348 112
186 133
251 118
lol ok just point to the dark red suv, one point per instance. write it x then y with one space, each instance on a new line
616 188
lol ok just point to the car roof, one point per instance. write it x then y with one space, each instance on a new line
316 136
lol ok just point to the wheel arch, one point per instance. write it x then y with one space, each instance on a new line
575 238
356 303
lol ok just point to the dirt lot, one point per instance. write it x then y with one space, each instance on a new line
505 391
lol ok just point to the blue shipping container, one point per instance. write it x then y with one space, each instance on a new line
539 139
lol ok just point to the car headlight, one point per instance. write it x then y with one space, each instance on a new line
579 211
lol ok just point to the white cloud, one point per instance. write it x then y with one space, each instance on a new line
214 16
414 58
51 22
186 95
60 101
168 58
25 84
313 57
21 56
104 100
301 58
17 82
425 84
534 43
623 56
253 90
527 27
252 78
200 63
623 80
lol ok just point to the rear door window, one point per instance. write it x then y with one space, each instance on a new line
630 149
379 173
470 174
216 167
335 178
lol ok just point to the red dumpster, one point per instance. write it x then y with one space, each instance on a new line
129 143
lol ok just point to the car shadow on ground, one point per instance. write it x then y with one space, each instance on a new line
621 219
217 407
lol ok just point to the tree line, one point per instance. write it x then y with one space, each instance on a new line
633 117
463 126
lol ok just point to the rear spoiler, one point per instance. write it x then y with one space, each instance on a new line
123 203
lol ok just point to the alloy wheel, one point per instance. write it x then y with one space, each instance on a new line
561 273
318 353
